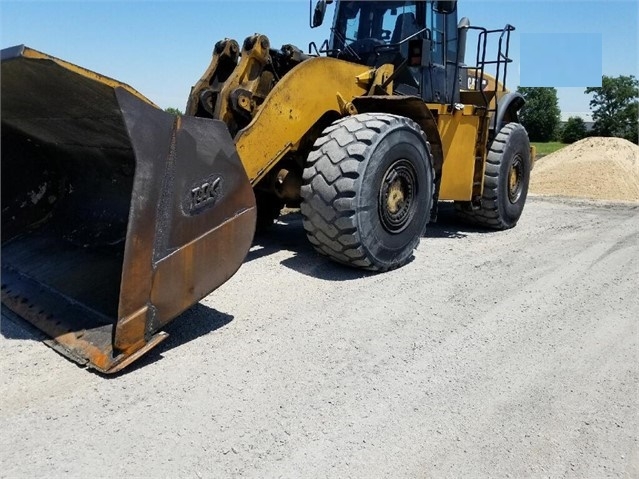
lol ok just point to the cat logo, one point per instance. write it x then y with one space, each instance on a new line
472 83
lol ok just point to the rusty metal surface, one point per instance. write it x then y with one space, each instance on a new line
116 216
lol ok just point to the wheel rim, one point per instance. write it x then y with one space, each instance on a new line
397 196
515 179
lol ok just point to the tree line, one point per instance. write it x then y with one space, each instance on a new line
614 106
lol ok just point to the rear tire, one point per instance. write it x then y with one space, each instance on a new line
368 191
506 181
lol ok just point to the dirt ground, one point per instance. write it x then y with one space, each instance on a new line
502 354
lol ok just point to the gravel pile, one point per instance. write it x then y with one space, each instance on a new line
593 168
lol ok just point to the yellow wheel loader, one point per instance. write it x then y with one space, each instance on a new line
117 216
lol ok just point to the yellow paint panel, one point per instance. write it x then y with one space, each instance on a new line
296 103
458 133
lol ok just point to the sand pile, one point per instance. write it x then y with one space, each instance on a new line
595 168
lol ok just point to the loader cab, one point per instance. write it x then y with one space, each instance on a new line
374 33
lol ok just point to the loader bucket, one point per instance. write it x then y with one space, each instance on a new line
116 216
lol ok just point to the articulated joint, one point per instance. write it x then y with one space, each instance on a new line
204 94
378 81
248 85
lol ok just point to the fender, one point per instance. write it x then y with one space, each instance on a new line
508 108
410 107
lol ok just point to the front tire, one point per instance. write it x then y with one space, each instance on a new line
368 191
506 181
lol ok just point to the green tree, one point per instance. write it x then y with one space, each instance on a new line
573 130
173 111
614 107
540 115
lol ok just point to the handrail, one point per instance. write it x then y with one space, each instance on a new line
503 51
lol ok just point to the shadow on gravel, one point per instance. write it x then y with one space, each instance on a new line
197 321
288 234
13 327
449 225
321 267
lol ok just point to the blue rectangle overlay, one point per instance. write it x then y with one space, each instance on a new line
560 59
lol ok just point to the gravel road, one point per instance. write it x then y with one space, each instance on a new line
502 354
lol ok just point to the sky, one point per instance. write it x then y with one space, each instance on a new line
161 48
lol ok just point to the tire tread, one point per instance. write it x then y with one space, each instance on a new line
488 215
333 172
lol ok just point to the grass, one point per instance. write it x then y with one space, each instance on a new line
544 149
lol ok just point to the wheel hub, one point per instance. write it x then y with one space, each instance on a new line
515 180
397 196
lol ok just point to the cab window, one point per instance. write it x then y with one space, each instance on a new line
369 23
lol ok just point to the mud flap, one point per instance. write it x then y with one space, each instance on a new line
116 216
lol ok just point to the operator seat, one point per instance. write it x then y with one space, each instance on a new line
405 26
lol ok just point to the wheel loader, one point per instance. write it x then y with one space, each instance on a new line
117 216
